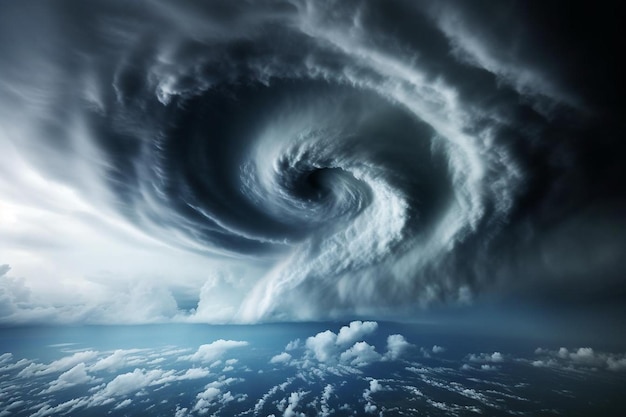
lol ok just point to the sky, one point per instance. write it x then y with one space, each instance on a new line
244 162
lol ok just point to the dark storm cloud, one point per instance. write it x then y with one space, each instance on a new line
372 156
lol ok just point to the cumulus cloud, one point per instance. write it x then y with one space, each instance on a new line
323 345
329 349
272 391
129 382
438 349
360 354
283 357
118 359
181 411
356 331
214 396
6 357
206 399
213 351
325 409
396 345
292 405
494 357
60 365
76 375
320 388
370 408
292 345
375 386
580 358
123 404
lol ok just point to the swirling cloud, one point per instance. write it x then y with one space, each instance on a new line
295 160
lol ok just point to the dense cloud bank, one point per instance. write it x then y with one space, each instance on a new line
309 159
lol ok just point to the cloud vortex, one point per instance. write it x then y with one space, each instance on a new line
352 158
298 134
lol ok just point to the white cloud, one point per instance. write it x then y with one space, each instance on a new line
323 345
123 404
129 382
194 373
294 344
585 355
355 332
64 407
360 354
370 408
218 300
438 349
213 351
213 396
281 358
326 353
293 401
396 346
76 375
616 364
156 361
181 412
374 386
272 391
60 365
325 410
206 399
580 358
13 366
13 405
189 374
118 359
227 397
495 357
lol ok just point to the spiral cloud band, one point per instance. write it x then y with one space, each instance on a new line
285 160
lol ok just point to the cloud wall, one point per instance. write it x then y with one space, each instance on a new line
294 160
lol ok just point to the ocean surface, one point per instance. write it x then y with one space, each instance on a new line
303 369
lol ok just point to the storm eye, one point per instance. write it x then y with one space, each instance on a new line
317 184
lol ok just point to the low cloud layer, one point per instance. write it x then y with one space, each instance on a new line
579 358
365 374
344 352
304 160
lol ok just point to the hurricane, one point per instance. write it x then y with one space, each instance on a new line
360 172
343 158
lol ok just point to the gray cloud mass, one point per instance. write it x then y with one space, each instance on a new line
303 160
